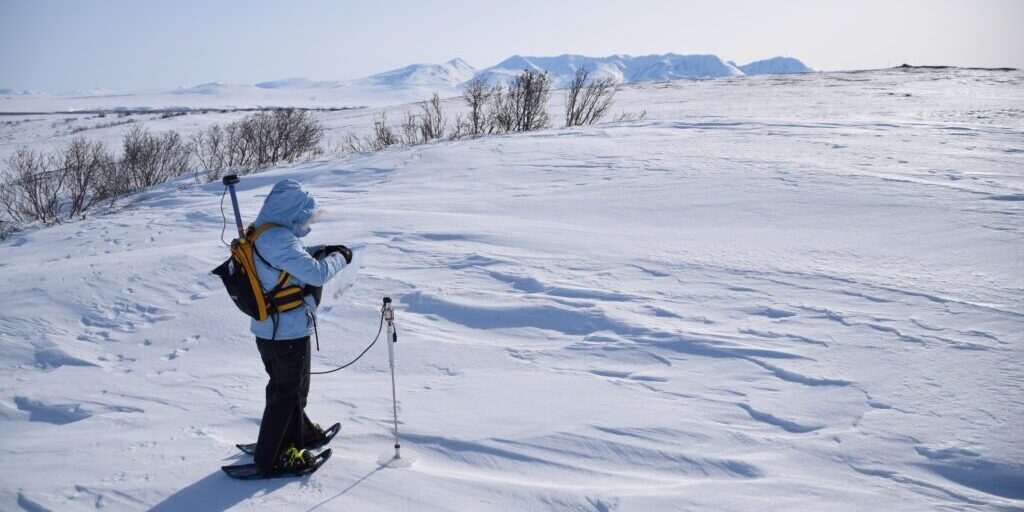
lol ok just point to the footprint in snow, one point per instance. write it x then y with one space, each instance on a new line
176 354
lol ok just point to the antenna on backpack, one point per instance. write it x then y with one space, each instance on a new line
229 182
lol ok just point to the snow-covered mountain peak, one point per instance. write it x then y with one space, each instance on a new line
450 73
672 67
460 64
775 65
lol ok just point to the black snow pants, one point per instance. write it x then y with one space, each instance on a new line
284 418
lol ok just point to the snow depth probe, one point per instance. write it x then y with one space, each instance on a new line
389 317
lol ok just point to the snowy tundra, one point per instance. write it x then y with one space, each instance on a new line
772 293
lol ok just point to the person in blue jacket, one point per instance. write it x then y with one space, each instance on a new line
283 338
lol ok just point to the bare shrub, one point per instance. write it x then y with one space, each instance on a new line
111 183
252 140
210 149
586 103
238 150
353 144
528 96
383 136
292 134
7 228
8 200
257 141
519 107
410 129
477 95
500 116
176 155
89 169
82 174
33 186
149 159
460 129
522 107
432 120
630 116
9 197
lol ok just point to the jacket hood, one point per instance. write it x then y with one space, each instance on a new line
288 206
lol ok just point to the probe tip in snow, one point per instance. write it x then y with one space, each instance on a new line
396 460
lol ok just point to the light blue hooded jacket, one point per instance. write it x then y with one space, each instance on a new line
291 208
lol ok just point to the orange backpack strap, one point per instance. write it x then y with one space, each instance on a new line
281 297
253 232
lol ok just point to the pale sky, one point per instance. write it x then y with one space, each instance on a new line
123 45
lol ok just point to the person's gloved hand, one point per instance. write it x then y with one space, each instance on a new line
345 251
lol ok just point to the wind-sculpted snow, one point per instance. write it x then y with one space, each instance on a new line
798 292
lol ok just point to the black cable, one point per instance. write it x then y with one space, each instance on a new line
361 354
223 216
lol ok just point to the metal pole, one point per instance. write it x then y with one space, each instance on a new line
389 316
229 182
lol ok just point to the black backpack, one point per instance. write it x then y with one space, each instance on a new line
243 283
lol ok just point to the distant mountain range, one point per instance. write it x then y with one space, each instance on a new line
454 73
621 68
645 68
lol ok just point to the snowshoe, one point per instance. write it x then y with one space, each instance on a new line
323 438
295 462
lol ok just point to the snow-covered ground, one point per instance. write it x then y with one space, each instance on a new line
800 293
